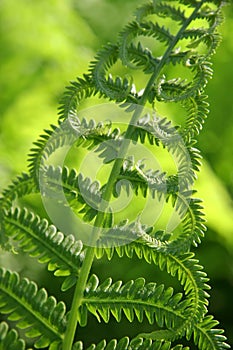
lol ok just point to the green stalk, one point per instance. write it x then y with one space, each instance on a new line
88 261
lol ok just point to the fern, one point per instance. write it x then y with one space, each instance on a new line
175 316
10 338
137 344
40 316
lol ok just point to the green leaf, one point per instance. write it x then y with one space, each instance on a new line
206 336
127 344
184 267
40 316
68 283
63 254
9 339
79 90
134 299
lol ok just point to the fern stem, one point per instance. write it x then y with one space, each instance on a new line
88 261
77 300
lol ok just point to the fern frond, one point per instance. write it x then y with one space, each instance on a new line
118 89
135 299
77 91
101 133
197 110
134 29
82 194
73 131
162 9
154 181
9 339
40 316
176 315
183 266
201 35
20 187
178 57
134 344
62 254
188 208
207 337
166 10
23 185
69 188
176 90
158 131
193 279
141 58
48 143
193 227
119 237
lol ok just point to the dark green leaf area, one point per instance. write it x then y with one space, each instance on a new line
39 315
131 344
134 299
33 235
9 339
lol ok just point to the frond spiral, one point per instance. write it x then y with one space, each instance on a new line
177 43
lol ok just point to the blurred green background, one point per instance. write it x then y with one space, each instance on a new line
45 44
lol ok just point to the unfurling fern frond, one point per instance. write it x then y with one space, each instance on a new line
85 133
20 187
79 90
197 111
117 90
176 40
176 90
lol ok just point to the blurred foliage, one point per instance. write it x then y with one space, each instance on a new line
46 43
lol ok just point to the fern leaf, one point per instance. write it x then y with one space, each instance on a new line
134 344
187 270
73 131
20 187
160 131
178 56
62 254
192 223
207 337
188 208
197 110
201 35
9 339
141 58
41 317
47 144
176 90
154 181
118 89
135 29
82 194
77 91
135 299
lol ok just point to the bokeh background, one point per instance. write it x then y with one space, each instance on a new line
45 44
